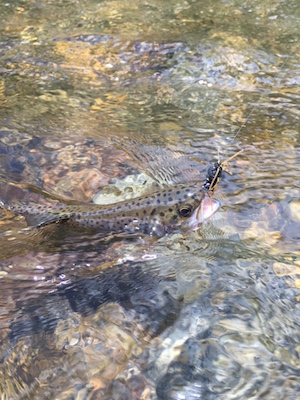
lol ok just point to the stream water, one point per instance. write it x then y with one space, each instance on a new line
111 98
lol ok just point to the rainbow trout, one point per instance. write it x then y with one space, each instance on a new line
164 211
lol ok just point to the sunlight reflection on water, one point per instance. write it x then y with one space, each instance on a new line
209 314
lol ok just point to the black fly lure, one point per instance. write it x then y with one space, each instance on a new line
214 174
213 177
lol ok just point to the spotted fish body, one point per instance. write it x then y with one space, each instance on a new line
167 210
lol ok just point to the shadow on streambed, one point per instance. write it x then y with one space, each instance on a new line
129 285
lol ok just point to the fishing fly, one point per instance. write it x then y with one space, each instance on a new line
215 172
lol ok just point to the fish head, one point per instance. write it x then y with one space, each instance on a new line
184 208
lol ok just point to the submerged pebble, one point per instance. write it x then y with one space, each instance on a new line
295 210
127 188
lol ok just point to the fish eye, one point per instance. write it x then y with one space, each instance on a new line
185 211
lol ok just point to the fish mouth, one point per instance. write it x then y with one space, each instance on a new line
202 213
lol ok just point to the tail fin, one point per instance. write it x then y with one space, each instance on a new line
27 193
12 193
32 204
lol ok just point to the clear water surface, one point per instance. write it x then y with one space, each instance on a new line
90 93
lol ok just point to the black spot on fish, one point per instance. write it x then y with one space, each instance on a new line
185 196
170 209
170 199
178 192
137 204
145 212
158 195
174 216
148 202
133 203
158 201
137 214
153 212
162 214
165 194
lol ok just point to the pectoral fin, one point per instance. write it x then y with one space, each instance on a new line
39 220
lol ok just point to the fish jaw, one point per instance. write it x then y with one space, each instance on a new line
205 210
